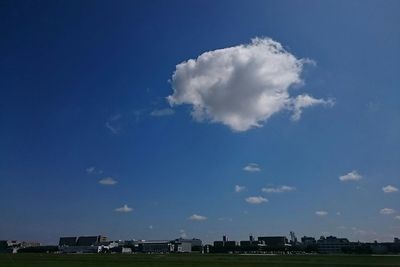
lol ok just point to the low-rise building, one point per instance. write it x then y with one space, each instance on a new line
332 245
156 246
274 242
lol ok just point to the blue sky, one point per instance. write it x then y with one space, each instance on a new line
86 126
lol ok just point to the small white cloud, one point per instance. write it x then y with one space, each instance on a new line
252 167
387 211
241 86
196 217
256 200
239 188
338 213
108 181
351 176
321 213
280 189
397 217
389 189
124 209
162 112
151 227
112 124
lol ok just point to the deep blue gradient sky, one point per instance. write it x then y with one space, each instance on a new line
69 68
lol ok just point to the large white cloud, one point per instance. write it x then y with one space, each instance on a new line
241 86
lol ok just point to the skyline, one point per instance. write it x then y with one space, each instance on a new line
144 120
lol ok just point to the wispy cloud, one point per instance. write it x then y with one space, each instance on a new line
321 213
351 176
239 188
196 217
93 170
213 84
162 112
108 181
138 113
389 189
225 219
124 209
397 217
182 233
280 189
256 200
90 170
363 232
113 125
387 211
252 167
303 101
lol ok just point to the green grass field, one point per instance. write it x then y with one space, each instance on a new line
118 260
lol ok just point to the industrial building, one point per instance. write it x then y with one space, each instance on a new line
195 244
83 244
165 246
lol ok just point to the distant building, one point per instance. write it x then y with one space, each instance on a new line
293 238
219 244
29 244
274 242
249 243
306 240
4 247
332 245
195 244
67 241
83 244
156 246
182 246
230 244
84 241
81 249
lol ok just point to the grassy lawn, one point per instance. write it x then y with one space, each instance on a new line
47 260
